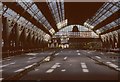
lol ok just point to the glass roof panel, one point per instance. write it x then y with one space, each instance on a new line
83 32
10 14
57 10
104 12
109 26
33 10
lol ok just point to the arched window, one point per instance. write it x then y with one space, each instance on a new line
81 32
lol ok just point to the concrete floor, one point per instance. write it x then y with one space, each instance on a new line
66 65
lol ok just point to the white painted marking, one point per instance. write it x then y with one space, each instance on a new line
4 65
58 65
108 62
54 66
82 63
1 61
29 66
79 54
84 66
12 63
118 69
112 65
32 58
88 52
19 70
50 70
7 64
1 79
65 58
47 58
36 69
98 57
25 68
57 54
1 70
85 70
77 51
32 54
63 70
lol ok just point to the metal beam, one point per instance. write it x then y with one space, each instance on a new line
108 20
110 30
18 9
43 7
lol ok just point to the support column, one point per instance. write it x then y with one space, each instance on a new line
5 37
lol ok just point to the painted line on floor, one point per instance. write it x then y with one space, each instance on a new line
50 71
82 63
7 65
32 54
79 54
84 67
63 70
77 50
85 70
57 63
19 70
32 58
36 69
65 58
88 52
12 63
112 65
56 54
98 57
54 66
1 79
1 70
4 65
29 66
